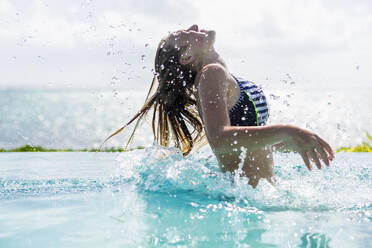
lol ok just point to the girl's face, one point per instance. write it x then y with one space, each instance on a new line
198 42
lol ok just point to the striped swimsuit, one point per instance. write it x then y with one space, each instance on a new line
251 108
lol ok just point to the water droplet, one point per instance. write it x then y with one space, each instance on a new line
147 44
235 142
184 83
143 57
236 133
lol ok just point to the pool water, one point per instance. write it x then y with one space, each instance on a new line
143 199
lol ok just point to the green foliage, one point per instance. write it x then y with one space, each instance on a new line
369 137
29 148
364 147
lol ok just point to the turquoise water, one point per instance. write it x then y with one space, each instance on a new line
141 199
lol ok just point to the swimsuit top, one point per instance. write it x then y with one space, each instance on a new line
251 108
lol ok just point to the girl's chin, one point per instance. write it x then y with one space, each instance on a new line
211 33
211 36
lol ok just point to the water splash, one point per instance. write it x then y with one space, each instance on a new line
297 189
159 198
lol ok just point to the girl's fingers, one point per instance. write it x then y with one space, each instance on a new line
306 160
327 147
322 154
315 158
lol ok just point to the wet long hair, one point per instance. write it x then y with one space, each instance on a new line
173 102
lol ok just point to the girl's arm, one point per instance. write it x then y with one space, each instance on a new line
224 138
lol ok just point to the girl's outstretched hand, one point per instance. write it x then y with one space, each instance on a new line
310 146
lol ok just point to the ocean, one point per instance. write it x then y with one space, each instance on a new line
79 119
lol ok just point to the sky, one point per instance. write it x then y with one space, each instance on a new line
104 44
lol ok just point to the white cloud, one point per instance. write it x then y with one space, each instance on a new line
270 36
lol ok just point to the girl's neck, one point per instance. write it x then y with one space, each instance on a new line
212 57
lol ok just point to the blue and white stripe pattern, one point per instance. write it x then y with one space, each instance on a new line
251 105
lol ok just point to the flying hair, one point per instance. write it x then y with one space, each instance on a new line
173 103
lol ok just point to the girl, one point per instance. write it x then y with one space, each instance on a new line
196 94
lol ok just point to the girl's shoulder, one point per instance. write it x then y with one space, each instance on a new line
213 73
214 68
216 80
